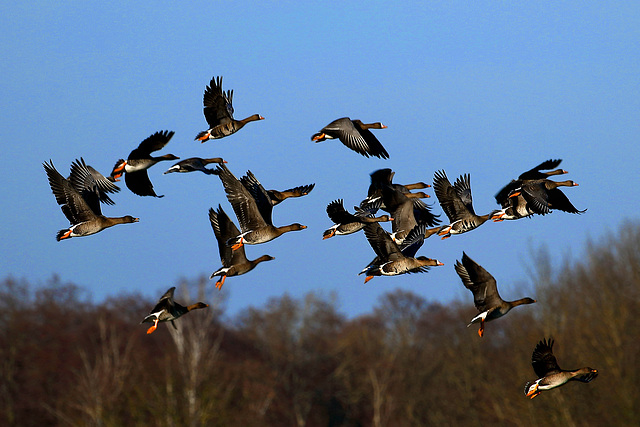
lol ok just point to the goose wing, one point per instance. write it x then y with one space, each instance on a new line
543 360
447 196
534 173
75 207
261 196
381 243
224 229
559 201
153 143
338 214
139 183
85 178
218 105
480 282
242 202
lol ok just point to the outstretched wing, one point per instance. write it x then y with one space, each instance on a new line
153 143
260 195
480 282
218 105
543 360
224 229
73 205
242 202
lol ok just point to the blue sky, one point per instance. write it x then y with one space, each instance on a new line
486 88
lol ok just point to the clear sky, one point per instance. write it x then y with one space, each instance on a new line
489 88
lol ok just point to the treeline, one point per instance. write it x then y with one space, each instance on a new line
410 362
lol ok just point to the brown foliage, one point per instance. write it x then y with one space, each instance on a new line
67 361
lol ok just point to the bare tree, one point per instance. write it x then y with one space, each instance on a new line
197 340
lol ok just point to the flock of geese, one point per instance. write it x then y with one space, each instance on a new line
412 221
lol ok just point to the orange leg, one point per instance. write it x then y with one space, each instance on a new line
153 328
220 282
481 330
368 278
238 245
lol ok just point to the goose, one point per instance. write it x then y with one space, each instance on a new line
532 174
167 310
549 373
82 210
392 259
515 208
485 292
218 111
391 194
384 178
275 197
401 209
139 160
348 223
193 164
234 263
355 135
543 195
254 215
457 204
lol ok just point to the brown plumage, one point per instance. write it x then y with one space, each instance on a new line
485 292
254 214
85 178
218 111
234 263
348 223
139 160
354 135
81 206
532 174
515 207
279 196
193 164
274 197
405 207
393 259
549 373
457 204
167 310
543 195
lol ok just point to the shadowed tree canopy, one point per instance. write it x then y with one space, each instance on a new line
69 361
